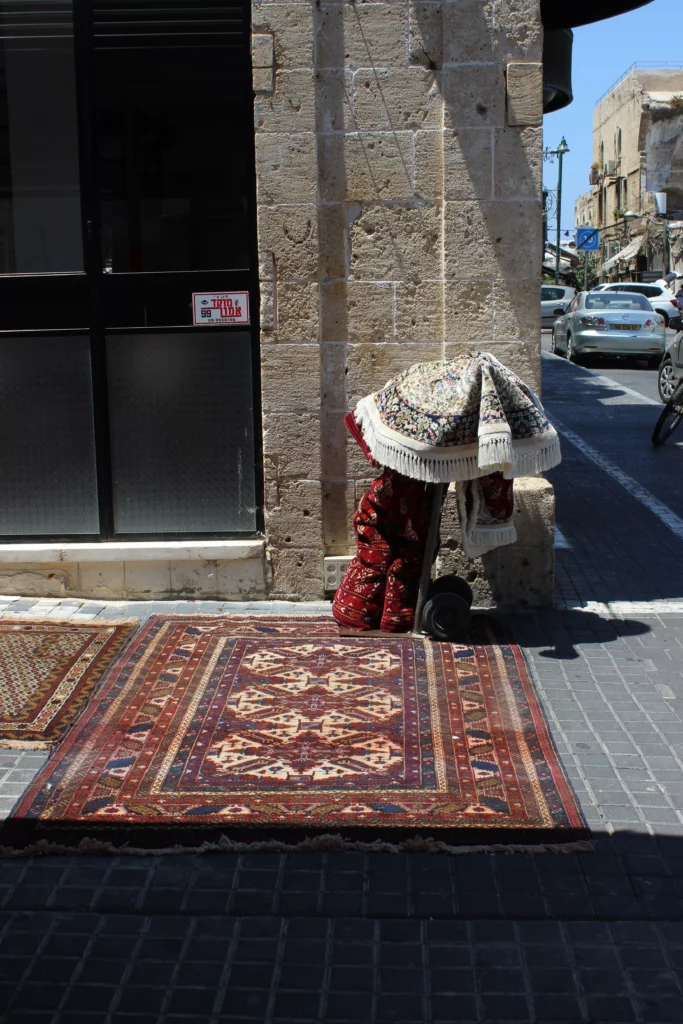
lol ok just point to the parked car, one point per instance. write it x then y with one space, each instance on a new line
610 323
663 300
554 301
671 366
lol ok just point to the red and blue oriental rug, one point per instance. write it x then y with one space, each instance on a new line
48 670
262 728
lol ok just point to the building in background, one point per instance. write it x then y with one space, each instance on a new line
584 211
637 152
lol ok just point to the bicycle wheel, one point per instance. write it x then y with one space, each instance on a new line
670 418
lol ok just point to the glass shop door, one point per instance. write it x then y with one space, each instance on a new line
127 407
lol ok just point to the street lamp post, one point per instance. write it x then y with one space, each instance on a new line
561 150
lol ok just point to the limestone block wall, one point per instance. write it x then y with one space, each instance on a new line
523 574
398 150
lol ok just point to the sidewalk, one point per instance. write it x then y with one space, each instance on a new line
349 937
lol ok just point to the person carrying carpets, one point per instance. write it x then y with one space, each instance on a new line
471 421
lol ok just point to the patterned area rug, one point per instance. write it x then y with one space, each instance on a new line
274 727
48 670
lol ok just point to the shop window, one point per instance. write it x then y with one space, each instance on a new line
40 213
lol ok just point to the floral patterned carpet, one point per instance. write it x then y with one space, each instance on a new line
268 727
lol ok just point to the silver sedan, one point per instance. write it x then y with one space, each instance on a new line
610 323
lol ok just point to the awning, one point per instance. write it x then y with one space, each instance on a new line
583 12
627 254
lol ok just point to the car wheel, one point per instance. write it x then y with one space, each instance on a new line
665 315
665 379
571 354
553 344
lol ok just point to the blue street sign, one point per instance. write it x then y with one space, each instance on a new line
587 239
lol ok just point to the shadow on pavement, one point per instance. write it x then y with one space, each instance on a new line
344 938
567 628
579 627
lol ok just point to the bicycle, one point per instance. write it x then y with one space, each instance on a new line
670 418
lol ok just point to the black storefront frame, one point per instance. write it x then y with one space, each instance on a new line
97 283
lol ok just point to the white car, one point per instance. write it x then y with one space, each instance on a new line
554 300
609 323
663 301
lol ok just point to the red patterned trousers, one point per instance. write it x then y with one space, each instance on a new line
380 586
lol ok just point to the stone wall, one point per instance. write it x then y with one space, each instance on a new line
399 153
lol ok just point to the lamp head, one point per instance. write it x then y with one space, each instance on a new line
563 147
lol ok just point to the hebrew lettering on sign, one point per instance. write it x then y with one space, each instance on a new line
220 308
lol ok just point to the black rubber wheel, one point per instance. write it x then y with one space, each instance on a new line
451 585
661 312
446 617
666 381
672 415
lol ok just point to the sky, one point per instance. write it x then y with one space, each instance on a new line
602 53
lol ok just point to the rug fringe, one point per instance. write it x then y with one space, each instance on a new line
320 844
46 620
448 464
26 744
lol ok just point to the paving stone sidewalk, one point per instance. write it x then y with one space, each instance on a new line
352 937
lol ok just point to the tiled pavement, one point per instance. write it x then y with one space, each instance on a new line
353 937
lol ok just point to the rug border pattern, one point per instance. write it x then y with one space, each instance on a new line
32 737
554 785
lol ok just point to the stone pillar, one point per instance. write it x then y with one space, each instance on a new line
399 178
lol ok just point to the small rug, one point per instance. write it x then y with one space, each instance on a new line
48 670
277 728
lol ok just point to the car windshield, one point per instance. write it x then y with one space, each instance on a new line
617 300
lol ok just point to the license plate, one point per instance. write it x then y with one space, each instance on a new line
625 327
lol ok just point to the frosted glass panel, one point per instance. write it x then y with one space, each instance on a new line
182 432
47 449
40 207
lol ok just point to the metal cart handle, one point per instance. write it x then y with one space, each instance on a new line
430 551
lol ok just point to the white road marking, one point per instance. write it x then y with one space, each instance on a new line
599 380
657 606
608 382
636 490
561 542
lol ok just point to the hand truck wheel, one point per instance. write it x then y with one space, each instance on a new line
446 616
451 585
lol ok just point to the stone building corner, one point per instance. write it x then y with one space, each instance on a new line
398 157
